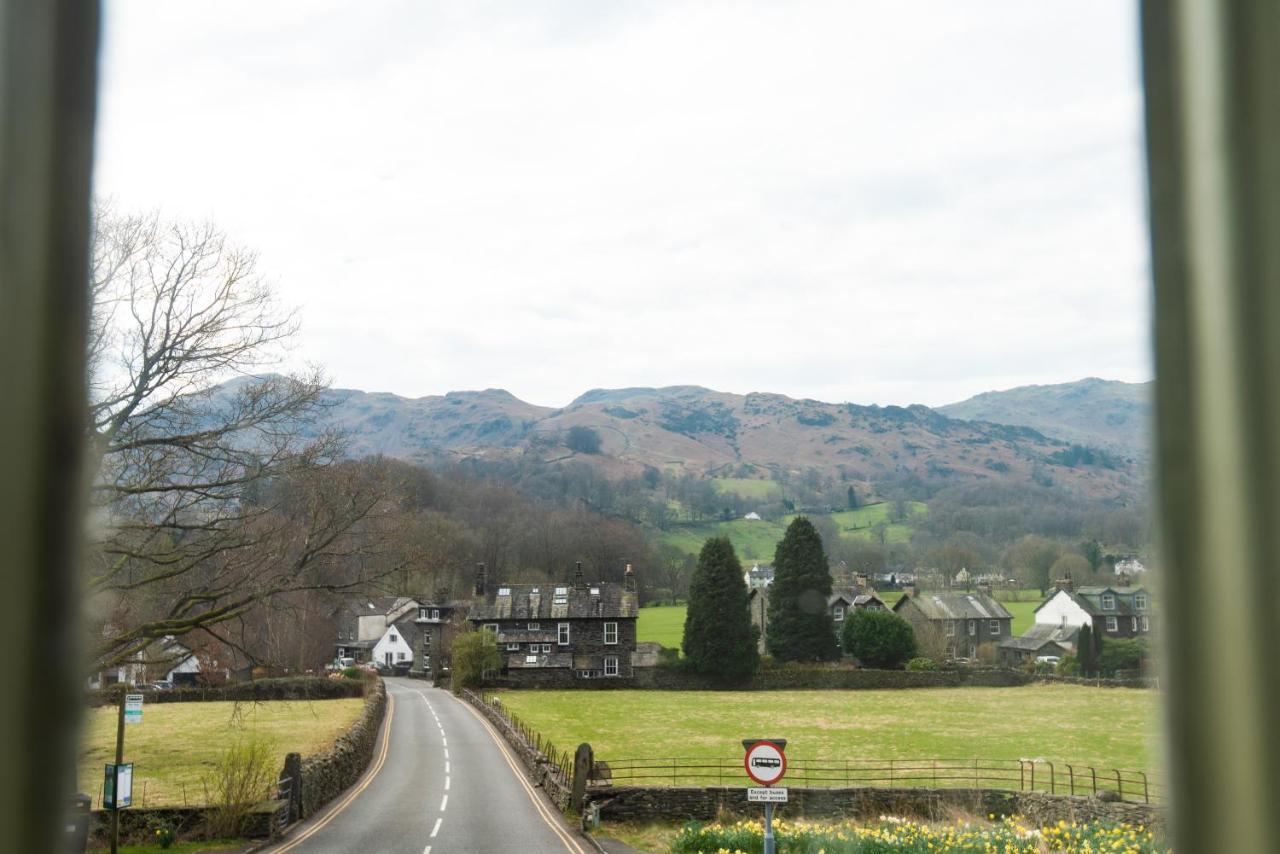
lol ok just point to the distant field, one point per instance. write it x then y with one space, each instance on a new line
177 744
747 487
663 624
755 541
1102 727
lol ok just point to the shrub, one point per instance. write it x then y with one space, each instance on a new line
1069 665
879 639
584 440
352 673
1121 654
474 653
241 779
922 664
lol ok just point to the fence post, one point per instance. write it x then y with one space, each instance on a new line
1071 777
1032 763
583 760
1146 794
1119 785
1094 772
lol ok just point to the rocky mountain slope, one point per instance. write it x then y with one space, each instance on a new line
1106 414
688 428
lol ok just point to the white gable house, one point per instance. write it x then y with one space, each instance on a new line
393 648
1062 609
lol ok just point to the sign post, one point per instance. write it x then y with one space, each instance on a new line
117 791
766 764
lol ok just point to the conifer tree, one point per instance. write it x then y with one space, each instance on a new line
719 640
798 625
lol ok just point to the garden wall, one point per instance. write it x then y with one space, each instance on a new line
862 803
773 679
326 775
542 771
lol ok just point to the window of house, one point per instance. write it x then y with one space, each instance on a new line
513 647
533 627
491 627
422 613
1113 625
1108 602
392 637
951 629
995 627
1140 602
562 633
426 639
1146 626
611 665
973 651
838 614
504 591
562 591
435 613
595 591
610 633
1133 623
546 647
400 656
973 627
531 659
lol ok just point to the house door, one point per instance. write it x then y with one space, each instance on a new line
387 656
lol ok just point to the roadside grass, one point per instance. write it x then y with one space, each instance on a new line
177 744
662 624
1102 727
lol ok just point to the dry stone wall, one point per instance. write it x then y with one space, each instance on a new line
325 775
542 771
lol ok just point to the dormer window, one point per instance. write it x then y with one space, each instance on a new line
1108 602
838 615
1140 601
435 613
422 613
562 591
392 637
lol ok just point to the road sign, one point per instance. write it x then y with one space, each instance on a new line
133 708
767 795
765 763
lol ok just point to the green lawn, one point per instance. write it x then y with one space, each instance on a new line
1102 727
208 845
177 743
663 624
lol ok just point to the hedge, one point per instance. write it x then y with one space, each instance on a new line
284 688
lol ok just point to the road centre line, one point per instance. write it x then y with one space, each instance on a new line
444 804
446 783
446 766
436 829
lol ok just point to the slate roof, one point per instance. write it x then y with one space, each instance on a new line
1090 599
409 630
1043 633
957 606
555 601
854 596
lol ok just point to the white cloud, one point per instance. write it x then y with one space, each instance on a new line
878 202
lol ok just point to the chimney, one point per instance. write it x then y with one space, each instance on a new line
1065 583
861 581
629 580
1123 579
441 594
480 579
985 588
579 581
910 590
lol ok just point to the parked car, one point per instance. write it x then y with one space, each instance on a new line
1048 659
161 685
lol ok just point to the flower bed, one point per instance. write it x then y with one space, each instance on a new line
1009 836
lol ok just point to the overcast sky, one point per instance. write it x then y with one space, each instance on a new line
888 202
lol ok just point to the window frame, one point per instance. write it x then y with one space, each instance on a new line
995 628
614 626
607 660
562 634
1113 624
1140 601
1108 602
838 613
973 628
951 628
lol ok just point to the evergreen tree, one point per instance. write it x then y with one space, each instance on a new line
1087 651
852 497
799 627
878 639
719 640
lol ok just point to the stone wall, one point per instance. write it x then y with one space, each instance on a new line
542 771
862 803
326 775
188 822
773 679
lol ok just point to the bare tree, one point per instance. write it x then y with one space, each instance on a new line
216 489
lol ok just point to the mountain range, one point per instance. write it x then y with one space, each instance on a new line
1021 435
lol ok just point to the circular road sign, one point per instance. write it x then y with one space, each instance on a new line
765 763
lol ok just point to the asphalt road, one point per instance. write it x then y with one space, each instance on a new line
441 781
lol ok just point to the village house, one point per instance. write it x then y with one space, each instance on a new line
956 625
840 604
367 633
551 630
1116 611
1042 639
433 625
166 662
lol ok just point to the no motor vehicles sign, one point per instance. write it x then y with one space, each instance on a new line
765 763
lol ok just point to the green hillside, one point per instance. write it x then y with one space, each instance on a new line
756 540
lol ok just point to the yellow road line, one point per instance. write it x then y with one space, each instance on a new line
569 841
337 808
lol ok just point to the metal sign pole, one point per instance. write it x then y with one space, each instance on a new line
770 845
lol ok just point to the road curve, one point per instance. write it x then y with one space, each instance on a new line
441 781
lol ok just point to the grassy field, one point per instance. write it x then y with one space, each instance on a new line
756 540
663 624
177 743
1103 727
747 487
